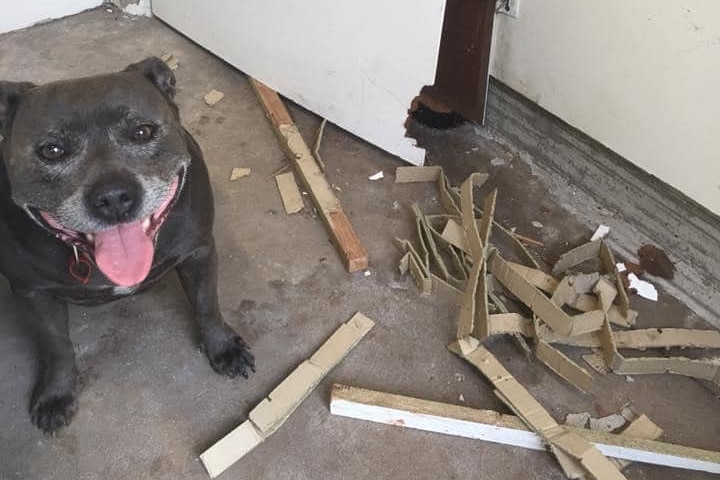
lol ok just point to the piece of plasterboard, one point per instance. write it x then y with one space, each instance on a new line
367 93
563 366
576 256
540 279
289 193
488 425
272 412
418 174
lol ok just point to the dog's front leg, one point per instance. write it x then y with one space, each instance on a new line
228 353
54 400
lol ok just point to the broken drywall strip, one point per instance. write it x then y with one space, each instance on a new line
213 97
239 172
597 363
540 279
509 323
701 369
418 174
550 313
576 256
467 202
559 363
667 337
608 260
289 193
491 426
272 412
454 234
342 233
536 417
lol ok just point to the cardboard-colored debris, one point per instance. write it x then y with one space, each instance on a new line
559 363
213 97
538 278
418 174
289 193
537 418
238 172
656 262
454 233
597 363
170 60
642 428
636 443
576 256
272 412
609 423
579 420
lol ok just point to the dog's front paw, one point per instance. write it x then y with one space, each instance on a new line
231 357
50 412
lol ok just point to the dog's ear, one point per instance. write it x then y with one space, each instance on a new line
157 72
10 94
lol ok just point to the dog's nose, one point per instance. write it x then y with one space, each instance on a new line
113 202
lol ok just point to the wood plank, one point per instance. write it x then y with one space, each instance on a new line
342 233
271 413
491 426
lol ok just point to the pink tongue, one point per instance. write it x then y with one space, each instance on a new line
124 253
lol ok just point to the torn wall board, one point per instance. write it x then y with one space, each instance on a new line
576 256
491 426
272 412
367 93
563 366
342 233
540 279
643 428
537 418
549 312
418 174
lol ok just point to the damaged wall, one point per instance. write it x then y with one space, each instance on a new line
16 15
640 77
359 64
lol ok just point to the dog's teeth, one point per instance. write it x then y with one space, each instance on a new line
90 237
146 224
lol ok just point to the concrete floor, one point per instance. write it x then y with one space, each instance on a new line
150 402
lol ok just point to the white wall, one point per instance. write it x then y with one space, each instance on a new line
15 15
641 77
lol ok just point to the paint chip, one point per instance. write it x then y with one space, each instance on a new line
643 288
537 224
377 176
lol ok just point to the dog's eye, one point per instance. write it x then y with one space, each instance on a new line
143 133
51 151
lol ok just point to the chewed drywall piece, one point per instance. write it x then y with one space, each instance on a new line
272 412
289 193
643 288
213 97
601 232
608 423
239 172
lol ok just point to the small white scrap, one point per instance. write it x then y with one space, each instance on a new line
239 173
643 288
367 273
628 378
601 232
141 9
620 267
579 420
213 97
607 424
537 224
377 176
461 398
498 162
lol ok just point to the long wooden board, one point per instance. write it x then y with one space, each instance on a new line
341 231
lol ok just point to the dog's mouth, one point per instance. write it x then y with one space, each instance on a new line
124 252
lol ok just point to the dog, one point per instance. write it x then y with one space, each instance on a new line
102 192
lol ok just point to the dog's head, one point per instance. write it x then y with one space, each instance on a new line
99 161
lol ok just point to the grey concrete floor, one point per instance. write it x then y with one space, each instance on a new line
150 402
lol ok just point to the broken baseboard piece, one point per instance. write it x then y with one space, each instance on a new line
289 193
342 233
537 418
272 412
491 426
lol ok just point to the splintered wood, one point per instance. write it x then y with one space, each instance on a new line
310 174
271 413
